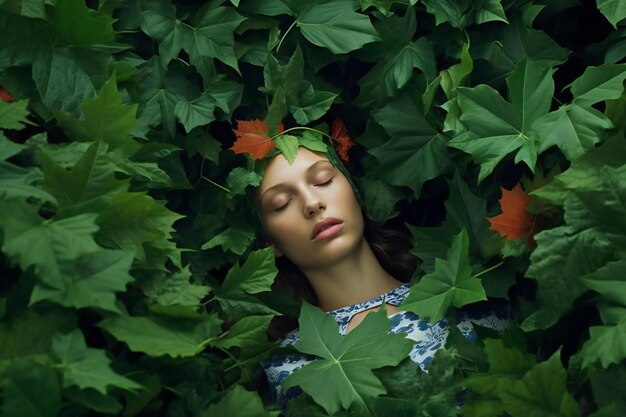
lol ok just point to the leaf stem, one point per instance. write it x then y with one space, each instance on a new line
491 268
282 38
216 184
291 129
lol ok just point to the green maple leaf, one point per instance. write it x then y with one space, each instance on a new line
497 127
342 375
451 283
336 26
396 55
416 151
541 392
45 244
91 177
157 336
606 281
606 344
105 118
505 364
30 334
31 390
593 232
584 172
242 282
172 289
90 281
135 222
577 127
86 367
238 401
15 181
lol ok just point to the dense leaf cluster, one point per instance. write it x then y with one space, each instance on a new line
135 284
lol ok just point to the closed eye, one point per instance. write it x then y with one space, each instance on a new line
322 184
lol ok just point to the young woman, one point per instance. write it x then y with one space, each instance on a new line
311 215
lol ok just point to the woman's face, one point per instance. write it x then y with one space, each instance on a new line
309 210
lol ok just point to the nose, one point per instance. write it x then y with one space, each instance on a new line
313 204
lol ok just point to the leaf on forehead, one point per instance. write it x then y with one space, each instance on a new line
339 133
288 146
312 141
514 221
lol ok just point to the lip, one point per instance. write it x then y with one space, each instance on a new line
326 228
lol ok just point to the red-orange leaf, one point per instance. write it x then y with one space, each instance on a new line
339 133
5 95
252 138
514 222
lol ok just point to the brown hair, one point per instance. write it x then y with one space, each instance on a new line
391 248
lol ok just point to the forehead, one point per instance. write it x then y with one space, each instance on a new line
279 170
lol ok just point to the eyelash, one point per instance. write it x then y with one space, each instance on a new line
323 184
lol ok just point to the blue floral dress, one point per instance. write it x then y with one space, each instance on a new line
428 337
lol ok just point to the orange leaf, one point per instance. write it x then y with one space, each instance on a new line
339 133
5 95
252 138
514 222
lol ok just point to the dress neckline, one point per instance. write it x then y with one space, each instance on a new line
394 297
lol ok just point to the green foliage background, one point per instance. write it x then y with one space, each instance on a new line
131 282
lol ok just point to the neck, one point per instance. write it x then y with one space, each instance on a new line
352 280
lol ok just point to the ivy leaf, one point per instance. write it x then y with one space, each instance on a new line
613 10
86 367
194 113
342 375
451 283
541 392
31 390
514 222
239 179
106 118
605 345
161 89
312 104
416 151
497 127
451 11
13 114
336 26
157 337
252 138
396 56
90 281
238 401
45 244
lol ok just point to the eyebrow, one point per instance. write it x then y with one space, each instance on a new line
312 167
